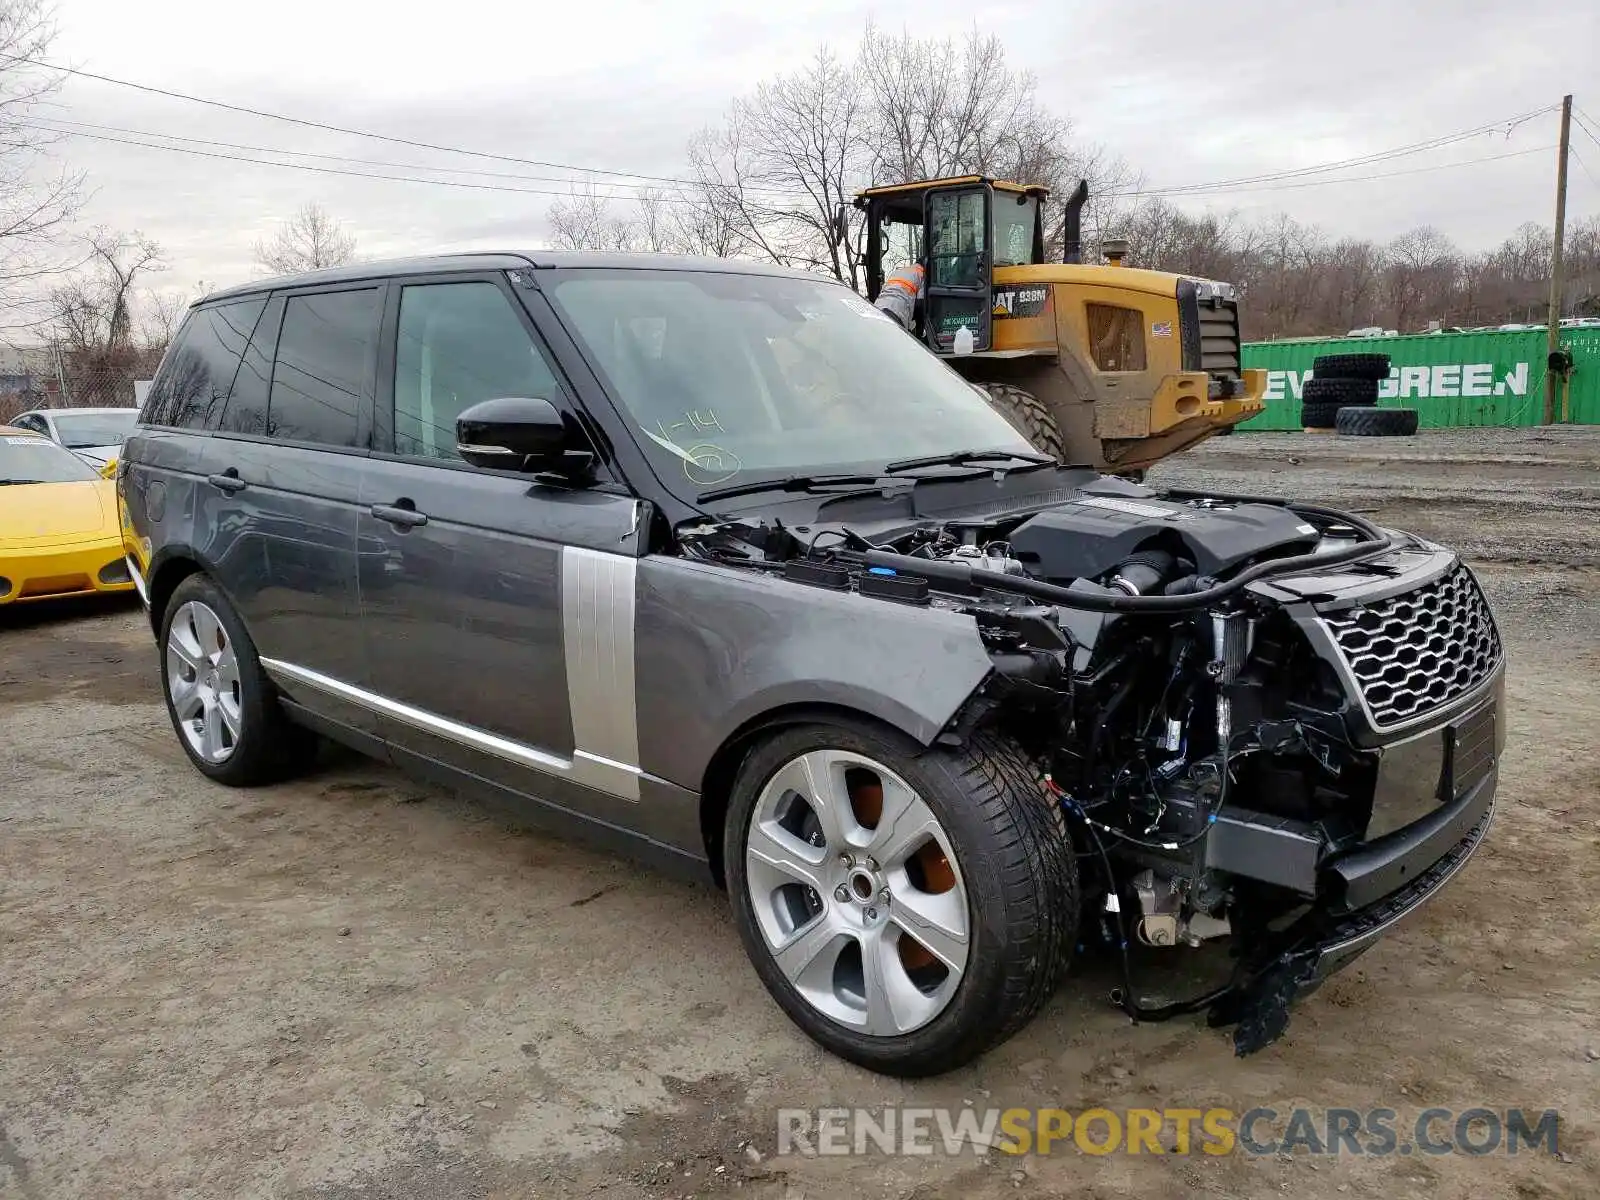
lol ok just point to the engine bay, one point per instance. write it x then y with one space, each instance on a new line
1198 743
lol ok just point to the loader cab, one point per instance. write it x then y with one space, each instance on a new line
959 231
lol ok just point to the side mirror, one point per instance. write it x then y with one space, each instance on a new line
513 433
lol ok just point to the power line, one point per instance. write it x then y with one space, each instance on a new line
648 199
1573 150
1584 123
75 128
263 162
1244 183
1282 187
1507 123
329 128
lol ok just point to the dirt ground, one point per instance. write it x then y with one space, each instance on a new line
357 986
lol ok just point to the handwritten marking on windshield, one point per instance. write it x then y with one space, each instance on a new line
707 465
696 421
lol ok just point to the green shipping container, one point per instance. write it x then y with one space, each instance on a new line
1479 378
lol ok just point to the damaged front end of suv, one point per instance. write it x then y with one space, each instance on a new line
1266 723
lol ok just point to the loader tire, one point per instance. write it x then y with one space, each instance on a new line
1340 393
1376 422
1351 366
1028 416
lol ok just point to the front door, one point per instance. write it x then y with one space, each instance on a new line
497 609
960 281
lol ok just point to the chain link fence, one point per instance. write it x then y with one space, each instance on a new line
76 381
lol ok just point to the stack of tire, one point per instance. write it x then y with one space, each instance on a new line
1342 396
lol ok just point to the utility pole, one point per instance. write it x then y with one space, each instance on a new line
1551 381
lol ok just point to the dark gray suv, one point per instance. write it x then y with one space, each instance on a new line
711 563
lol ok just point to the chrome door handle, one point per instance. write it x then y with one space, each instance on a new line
401 516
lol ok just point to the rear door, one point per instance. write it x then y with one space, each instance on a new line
465 574
280 481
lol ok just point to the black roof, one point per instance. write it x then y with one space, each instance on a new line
505 261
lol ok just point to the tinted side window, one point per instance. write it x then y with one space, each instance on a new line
458 343
324 359
192 387
247 403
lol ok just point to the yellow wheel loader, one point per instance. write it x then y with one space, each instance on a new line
1104 365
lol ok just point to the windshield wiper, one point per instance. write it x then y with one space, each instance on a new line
3 482
790 483
962 458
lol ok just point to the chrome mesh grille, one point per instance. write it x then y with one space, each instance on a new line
1413 652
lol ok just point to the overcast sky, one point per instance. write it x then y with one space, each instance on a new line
1186 92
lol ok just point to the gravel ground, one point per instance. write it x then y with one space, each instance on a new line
358 986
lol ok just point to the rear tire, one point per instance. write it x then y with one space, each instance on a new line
999 900
223 707
1377 422
1351 366
1028 416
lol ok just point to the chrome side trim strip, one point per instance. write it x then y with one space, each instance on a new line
603 774
418 718
138 580
597 618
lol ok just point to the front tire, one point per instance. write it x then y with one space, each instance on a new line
908 908
222 706
1028 416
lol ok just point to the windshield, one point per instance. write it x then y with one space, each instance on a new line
735 378
79 430
28 459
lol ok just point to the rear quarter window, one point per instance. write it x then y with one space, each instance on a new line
191 389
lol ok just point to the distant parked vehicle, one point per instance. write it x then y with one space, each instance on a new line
93 434
59 530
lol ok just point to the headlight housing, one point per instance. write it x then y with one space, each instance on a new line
1207 290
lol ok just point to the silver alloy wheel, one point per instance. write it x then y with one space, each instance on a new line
868 918
203 681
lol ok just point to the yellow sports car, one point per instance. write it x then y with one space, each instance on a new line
60 534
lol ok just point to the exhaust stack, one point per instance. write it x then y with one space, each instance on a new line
1072 230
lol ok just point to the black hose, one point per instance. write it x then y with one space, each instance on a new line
961 575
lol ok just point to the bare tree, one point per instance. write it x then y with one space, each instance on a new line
93 321
1420 276
776 179
160 315
311 238
781 171
37 195
942 108
587 221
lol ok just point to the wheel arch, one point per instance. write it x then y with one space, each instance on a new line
716 786
171 569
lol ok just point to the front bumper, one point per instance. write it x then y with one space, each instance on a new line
50 573
1433 808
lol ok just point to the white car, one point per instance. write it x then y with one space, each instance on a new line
93 434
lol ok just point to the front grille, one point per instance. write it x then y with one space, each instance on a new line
1219 339
1209 332
1413 652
